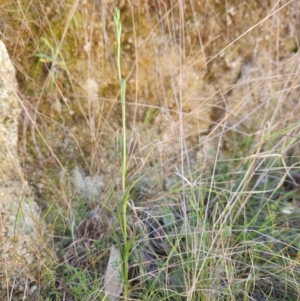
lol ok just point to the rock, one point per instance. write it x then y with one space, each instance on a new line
88 187
21 230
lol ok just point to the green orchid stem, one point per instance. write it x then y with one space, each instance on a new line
123 216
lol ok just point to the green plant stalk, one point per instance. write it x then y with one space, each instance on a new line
122 82
126 249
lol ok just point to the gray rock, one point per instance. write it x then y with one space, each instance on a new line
21 230
88 187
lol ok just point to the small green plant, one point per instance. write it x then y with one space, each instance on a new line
150 114
125 248
49 59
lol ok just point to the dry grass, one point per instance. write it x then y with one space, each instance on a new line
212 124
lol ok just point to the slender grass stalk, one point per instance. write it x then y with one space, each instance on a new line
118 26
125 193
